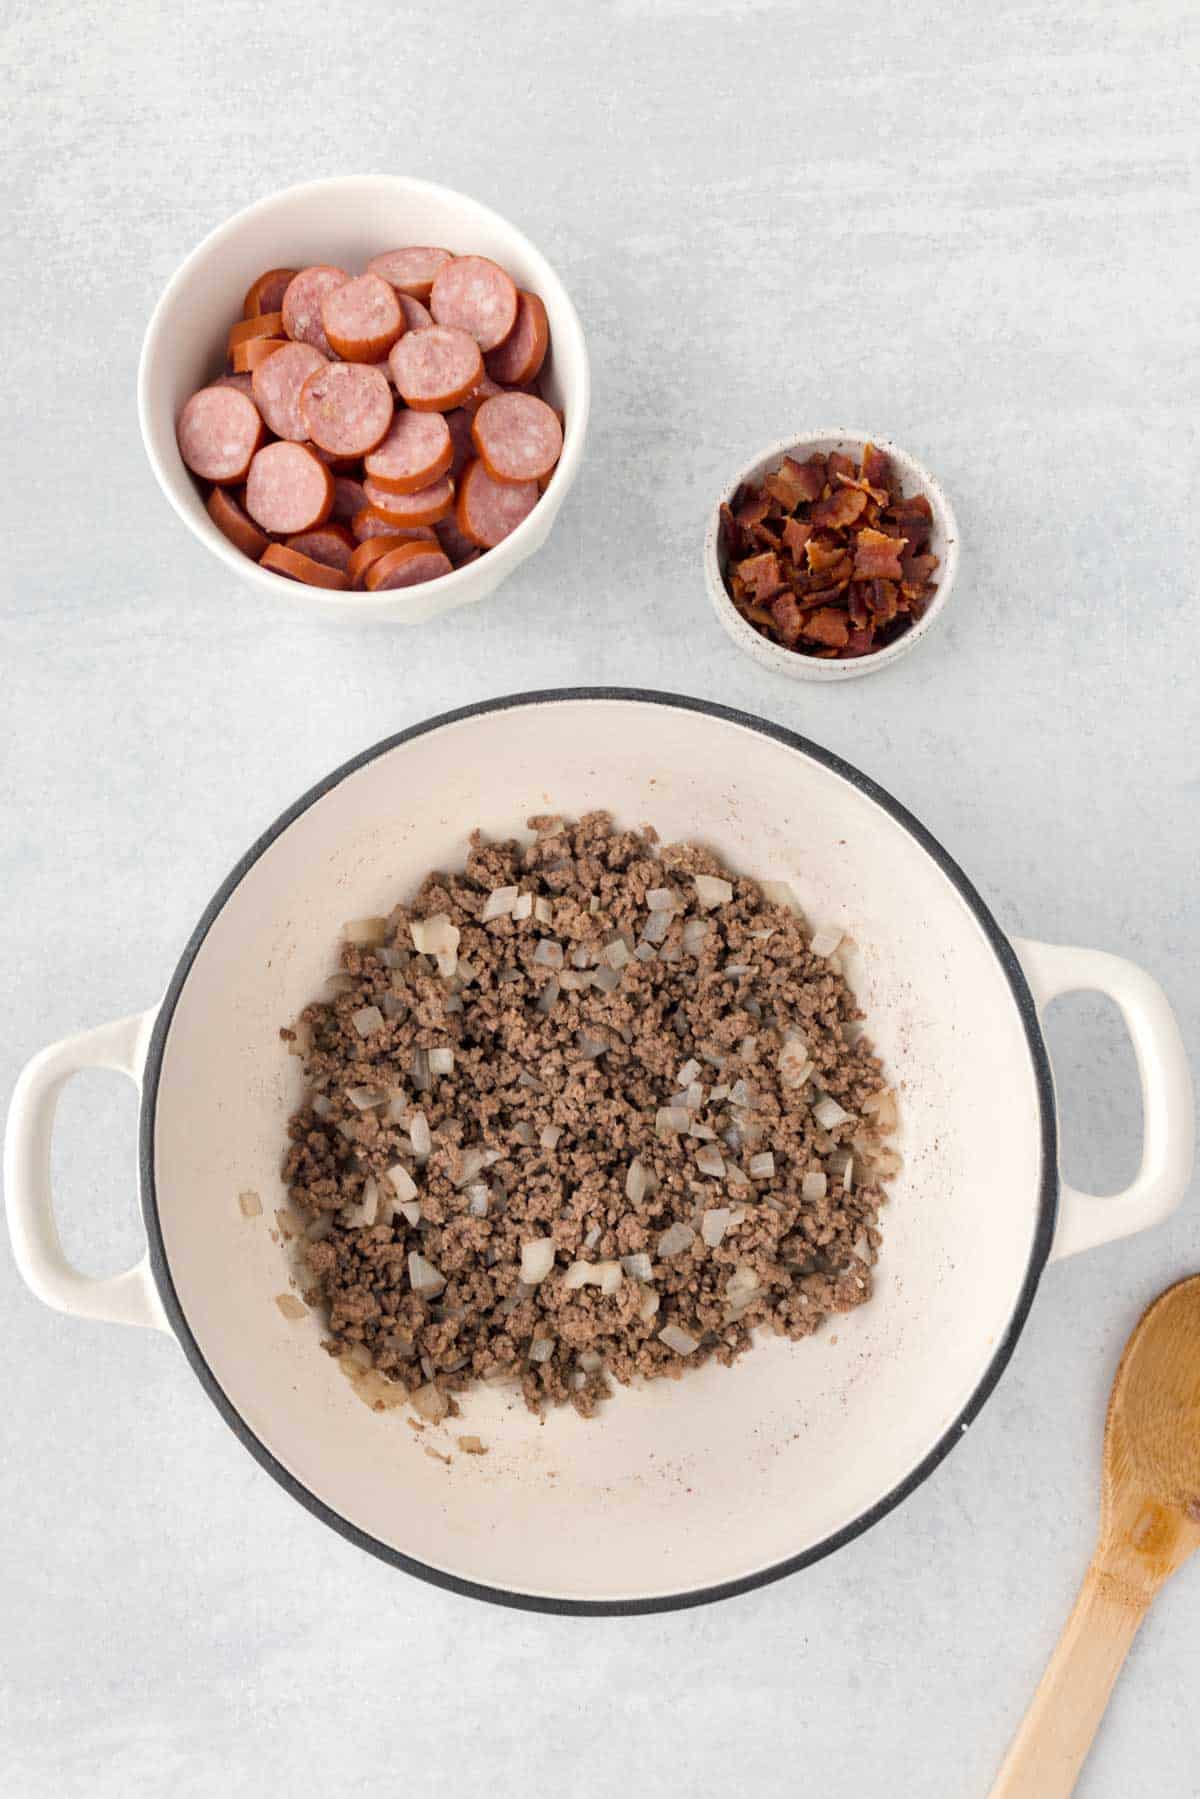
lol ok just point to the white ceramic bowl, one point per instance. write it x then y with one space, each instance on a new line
943 544
678 1492
346 220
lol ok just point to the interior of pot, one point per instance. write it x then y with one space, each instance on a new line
675 1486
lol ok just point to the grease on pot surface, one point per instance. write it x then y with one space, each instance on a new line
590 1107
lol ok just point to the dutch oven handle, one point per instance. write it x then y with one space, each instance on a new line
129 1298
1085 1219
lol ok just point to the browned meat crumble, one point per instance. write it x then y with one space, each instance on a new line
634 1086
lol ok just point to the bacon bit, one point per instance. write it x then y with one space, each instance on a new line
761 576
876 557
795 536
786 616
876 467
841 508
829 560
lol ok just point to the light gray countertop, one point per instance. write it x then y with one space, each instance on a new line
971 228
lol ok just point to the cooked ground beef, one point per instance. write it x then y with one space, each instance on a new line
642 1065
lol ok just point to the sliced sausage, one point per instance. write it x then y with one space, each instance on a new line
484 389
460 549
281 560
488 510
301 303
520 357
407 566
241 531
473 294
416 316
348 498
347 407
266 294
362 318
372 548
459 425
518 438
331 544
244 383
245 358
288 490
435 369
277 384
411 270
414 453
424 507
218 432
268 324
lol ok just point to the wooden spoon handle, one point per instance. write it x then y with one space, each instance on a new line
1056 1733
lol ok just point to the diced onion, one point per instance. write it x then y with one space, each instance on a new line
712 891
675 1239
524 1133
616 954
549 1135
780 894
814 1186
794 1065
322 1105
650 1302
662 899
610 1277
250 1203
577 1275
548 954
742 1284
829 1114
547 999
762 1167
366 1020
431 1403
714 1224
541 1349
638 1267
607 980
523 907
410 1211
694 932
593 1237
290 1306
419 1069
437 937
499 904
646 952
478 1199
590 1047
420 1136
423 1277
678 1339
537 1259
689 1072
441 1061
590 1360
635 1182
825 940
402 1181
710 1161
543 910
671 1121
657 927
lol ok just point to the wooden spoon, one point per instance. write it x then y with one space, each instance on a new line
1149 1525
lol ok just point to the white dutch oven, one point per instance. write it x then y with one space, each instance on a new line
679 1492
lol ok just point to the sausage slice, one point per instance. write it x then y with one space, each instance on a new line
473 294
301 303
362 318
277 384
266 294
407 566
520 357
284 561
518 437
415 452
488 510
424 507
347 407
288 490
218 432
436 369
229 518
411 271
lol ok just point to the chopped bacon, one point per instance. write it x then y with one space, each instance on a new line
828 626
786 616
841 508
795 536
876 557
829 560
761 576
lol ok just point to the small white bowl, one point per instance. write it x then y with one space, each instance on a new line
346 220
943 544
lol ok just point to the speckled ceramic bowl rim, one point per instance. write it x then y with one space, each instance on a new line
806 668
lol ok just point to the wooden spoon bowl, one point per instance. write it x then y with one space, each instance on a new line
1149 1525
